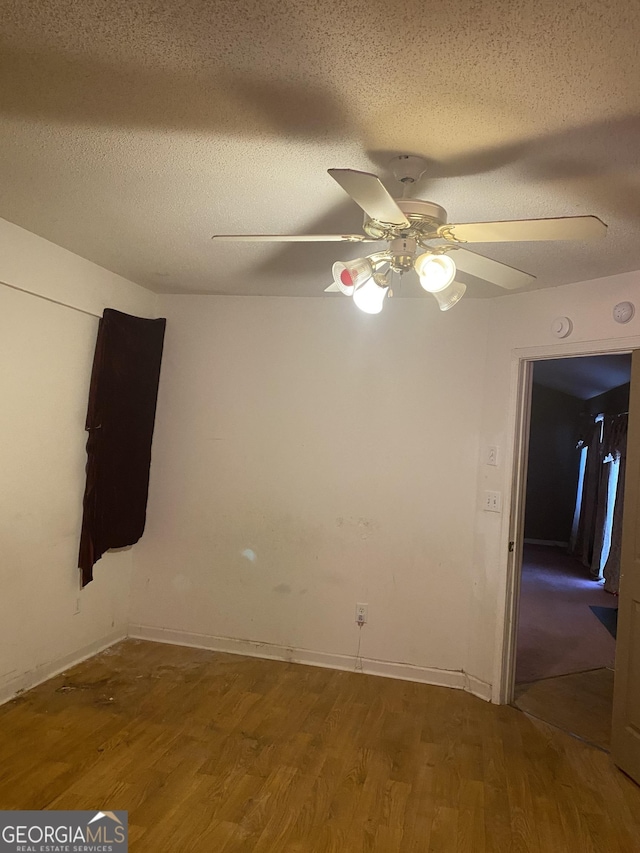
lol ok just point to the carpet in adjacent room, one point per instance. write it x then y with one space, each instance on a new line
558 633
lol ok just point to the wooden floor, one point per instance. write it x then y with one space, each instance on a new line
218 753
581 704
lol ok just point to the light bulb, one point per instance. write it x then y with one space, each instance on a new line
369 297
451 295
436 272
348 275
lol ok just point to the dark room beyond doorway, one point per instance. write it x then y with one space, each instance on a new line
570 562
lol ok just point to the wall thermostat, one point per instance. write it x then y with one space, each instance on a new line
561 327
623 312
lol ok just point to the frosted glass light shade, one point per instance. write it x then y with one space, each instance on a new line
369 297
348 275
436 272
448 297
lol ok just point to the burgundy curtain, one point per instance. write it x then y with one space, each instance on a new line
120 420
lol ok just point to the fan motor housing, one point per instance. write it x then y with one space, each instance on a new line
425 217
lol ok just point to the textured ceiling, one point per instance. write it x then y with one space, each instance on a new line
131 131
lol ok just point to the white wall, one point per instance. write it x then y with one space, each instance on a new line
341 449
46 353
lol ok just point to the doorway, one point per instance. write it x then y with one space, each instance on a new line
565 641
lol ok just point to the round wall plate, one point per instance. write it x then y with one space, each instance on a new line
623 312
561 327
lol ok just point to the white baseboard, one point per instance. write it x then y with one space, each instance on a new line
552 542
10 687
478 688
387 669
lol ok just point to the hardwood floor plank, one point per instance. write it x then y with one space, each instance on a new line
444 830
471 830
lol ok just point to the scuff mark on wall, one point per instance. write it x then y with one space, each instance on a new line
364 526
181 583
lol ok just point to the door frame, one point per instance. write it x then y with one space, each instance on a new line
522 361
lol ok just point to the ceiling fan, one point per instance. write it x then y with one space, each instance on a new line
420 238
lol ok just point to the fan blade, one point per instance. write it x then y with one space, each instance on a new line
368 191
333 288
560 228
294 238
494 271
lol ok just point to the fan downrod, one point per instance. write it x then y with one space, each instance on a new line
408 168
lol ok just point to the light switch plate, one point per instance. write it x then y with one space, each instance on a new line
492 501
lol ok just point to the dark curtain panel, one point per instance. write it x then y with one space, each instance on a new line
120 420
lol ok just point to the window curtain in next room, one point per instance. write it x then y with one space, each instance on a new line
615 447
120 420
597 542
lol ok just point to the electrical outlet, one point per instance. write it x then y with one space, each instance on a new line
362 613
492 455
492 501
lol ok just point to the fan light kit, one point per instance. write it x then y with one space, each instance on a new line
419 238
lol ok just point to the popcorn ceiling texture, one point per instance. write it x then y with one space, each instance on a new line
131 131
